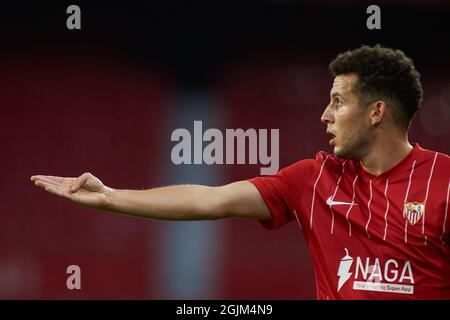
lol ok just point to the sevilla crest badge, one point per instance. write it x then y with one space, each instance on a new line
413 211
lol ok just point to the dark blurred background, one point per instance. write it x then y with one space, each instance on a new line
106 98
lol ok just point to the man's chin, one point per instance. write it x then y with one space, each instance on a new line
337 151
343 154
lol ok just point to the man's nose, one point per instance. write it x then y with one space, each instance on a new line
327 116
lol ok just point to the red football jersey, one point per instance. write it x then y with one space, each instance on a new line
370 237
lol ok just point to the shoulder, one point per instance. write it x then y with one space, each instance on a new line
438 158
444 158
433 165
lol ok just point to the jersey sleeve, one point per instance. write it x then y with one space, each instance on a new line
282 191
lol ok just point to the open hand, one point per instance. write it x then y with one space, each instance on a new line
86 189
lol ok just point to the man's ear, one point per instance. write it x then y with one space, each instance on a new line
378 110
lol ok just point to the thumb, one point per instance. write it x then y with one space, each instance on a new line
79 182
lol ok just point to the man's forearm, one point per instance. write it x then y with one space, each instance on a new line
181 202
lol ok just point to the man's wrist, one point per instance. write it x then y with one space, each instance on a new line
109 196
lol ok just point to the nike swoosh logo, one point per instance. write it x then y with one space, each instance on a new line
330 202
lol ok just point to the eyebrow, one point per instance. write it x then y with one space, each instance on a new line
337 94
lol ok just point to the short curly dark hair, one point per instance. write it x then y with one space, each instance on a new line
385 74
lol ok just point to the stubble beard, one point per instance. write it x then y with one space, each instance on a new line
355 146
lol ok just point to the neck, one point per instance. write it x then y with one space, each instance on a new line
386 153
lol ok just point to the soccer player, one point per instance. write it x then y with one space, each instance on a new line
374 213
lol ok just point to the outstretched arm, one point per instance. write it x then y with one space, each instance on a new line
181 202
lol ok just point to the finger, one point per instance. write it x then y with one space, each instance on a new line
54 178
60 179
44 184
56 191
79 182
49 181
